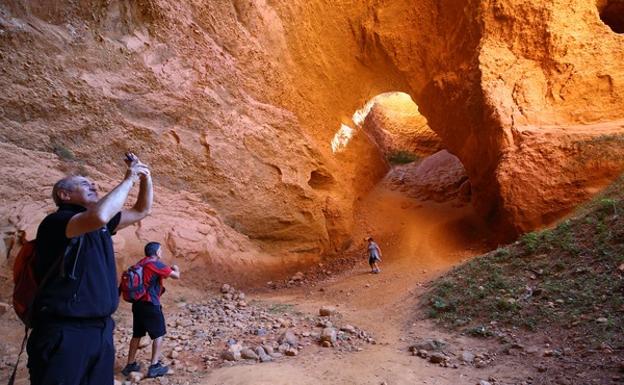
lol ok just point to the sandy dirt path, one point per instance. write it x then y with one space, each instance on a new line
419 241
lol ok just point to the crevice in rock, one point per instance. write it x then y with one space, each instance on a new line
612 14
320 180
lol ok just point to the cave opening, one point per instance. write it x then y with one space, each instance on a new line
420 203
612 14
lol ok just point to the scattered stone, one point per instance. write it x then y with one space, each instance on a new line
229 355
324 323
268 348
297 277
327 311
326 344
135 376
225 288
330 335
468 357
249 354
233 353
288 337
483 382
437 358
429 345
602 320
348 329
173 354
291 352
262 354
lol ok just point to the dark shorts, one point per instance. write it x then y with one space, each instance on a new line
147 318
72 352
372 260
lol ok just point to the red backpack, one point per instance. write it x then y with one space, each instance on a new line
132 287
25 282
27 287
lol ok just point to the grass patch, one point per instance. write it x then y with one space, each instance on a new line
402 157
64 152
566 277
279 308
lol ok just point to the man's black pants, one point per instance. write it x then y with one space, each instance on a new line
72 352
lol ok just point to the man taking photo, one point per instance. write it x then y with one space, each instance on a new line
72 337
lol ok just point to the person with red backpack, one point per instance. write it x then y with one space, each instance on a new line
72 337
147 314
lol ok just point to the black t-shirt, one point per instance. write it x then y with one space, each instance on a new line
87 286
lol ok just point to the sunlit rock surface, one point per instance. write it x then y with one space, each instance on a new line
235 104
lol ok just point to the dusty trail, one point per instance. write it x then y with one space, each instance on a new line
419 241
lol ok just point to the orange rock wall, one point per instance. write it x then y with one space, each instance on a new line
236 102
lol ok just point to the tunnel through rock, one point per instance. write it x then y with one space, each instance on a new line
420 204
612 14
417 162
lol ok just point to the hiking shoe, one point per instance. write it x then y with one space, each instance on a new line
157 370
133 367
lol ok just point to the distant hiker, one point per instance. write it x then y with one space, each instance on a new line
374 255
147 314
72 337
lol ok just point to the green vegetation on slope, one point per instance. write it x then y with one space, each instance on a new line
402 157
568 277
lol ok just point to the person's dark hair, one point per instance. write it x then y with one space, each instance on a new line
370 239
151 249
67 184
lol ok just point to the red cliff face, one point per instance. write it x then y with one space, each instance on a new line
235 104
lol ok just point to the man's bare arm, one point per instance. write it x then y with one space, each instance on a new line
143 205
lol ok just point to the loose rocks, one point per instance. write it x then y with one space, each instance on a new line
327 311
329 335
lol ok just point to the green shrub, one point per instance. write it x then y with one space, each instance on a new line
402 157
63 152
531 241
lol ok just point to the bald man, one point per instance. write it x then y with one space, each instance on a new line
72 338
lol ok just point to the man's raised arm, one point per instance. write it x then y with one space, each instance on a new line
143 205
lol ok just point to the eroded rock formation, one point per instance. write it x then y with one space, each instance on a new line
235 103
397 126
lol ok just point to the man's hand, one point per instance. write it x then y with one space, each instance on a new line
175 272
136 169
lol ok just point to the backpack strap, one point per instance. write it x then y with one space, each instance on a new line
68 249
58 264
12 378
